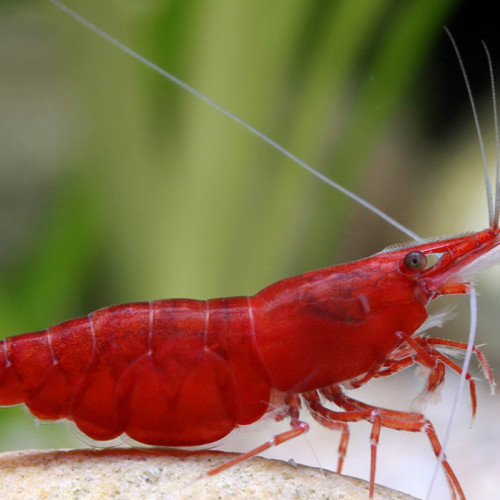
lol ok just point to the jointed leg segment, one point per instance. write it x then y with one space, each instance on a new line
298 428
355 411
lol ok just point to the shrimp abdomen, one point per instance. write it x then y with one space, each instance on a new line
166 372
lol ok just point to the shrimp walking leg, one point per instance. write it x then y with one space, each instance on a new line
298 428
424 350
355 411
461 346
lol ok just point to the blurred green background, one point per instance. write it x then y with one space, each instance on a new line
117 186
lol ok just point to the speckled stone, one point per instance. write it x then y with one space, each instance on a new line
128 474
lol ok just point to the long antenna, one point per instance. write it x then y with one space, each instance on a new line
372 208
460 388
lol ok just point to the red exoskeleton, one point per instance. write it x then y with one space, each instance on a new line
203 368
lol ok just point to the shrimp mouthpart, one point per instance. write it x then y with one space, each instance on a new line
461 258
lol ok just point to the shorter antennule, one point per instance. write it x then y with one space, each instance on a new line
497 141
492 218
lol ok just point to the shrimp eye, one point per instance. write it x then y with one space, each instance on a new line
414 262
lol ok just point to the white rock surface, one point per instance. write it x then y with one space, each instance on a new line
128 474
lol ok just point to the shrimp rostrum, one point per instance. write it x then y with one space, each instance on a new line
186 372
